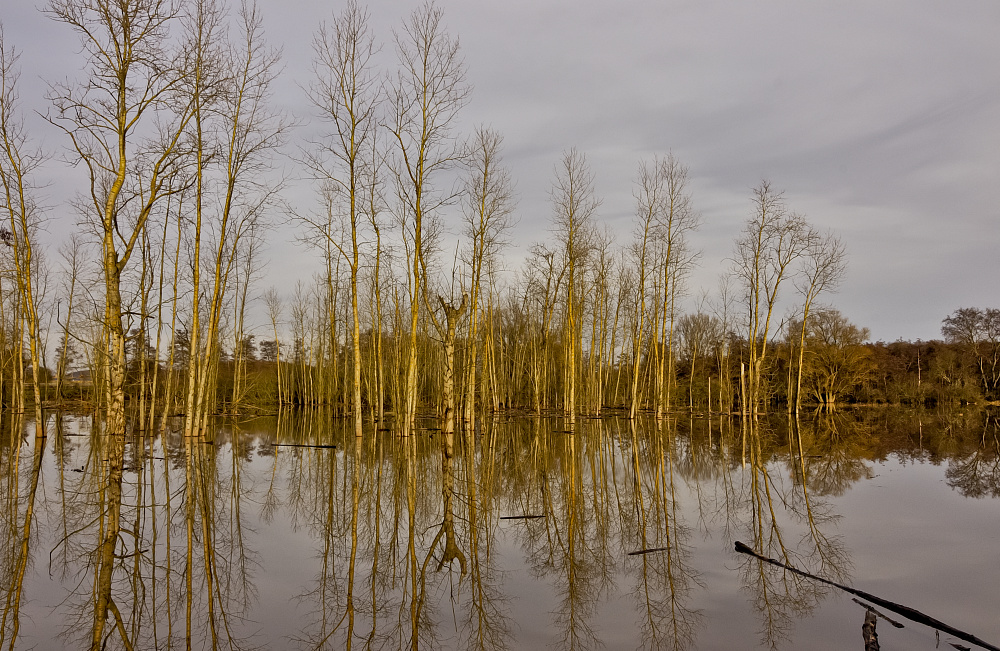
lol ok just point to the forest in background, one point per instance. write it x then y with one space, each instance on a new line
153 303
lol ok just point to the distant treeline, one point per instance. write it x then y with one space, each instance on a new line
839 367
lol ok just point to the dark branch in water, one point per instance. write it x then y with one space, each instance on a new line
648 551
872 609
521 517
907 612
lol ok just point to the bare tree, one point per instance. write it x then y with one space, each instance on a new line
18 161
825 262
374 204
544 275
345 92
664 216
73 255
574 206
230 90
699 332
425 97
273 303
674 259
487 205
125 127
772 240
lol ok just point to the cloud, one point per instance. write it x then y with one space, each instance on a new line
880 120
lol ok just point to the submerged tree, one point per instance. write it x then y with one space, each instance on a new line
487 206
125 124
229 89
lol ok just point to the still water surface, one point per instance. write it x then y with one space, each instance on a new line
290 533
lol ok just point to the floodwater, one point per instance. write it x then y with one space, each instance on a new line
290 533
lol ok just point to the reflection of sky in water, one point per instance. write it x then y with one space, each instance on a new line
917 541
908 534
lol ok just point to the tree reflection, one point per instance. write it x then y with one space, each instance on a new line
146 589
777 511
19 517
414 536
664 577
487 623
976 473
830 453
570 553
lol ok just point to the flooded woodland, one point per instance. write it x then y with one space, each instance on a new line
292 532
435 438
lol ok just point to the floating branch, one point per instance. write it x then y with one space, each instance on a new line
301 445
872 609
907 612
521 517
648 551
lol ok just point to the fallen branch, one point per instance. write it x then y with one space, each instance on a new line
648 551
872 609
301 445
907 612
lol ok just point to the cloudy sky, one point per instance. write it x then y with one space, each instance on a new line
880 120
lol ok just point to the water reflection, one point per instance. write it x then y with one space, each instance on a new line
775 510
293 532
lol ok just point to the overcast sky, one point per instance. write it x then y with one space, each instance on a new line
880 120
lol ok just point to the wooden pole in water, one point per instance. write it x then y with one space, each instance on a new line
868 632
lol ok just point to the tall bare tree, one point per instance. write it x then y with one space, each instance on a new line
487 206
664 216
345 91
18 161
425 97
574 207
772 239
825 262
673 258
125 126
230 91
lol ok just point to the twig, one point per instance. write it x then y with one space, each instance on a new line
648 551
